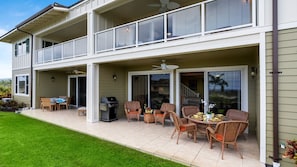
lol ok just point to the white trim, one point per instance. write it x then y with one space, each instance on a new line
263 102
287 25
34 90
244 83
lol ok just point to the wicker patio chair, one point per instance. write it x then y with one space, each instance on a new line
226 132
132 110
181 127
66 103
162 114
239 115
189 110
47 103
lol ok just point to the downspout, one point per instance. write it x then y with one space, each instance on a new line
31 66
275 75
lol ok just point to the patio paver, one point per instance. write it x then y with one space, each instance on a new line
155 139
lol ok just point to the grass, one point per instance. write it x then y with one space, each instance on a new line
26 142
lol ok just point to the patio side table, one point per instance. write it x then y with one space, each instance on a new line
148 118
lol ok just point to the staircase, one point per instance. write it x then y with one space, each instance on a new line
188 96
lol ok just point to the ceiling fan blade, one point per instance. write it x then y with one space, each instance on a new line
157 68
172 5
164 1
172 67
154 5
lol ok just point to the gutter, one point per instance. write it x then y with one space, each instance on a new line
275 77
31 66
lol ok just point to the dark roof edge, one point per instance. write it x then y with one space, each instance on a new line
49 7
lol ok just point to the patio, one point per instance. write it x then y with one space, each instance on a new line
154 139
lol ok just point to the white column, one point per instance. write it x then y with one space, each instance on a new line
92 92
34 80
262 71
90 31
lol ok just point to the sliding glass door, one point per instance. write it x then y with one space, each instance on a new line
225 87
150 89
224 90
77 90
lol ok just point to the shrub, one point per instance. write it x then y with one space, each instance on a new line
11 105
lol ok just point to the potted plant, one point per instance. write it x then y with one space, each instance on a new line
291 150
209 113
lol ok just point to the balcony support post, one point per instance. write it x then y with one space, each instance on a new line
92 92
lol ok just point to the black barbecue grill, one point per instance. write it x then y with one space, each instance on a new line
108 109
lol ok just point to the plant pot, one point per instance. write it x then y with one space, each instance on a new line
208 116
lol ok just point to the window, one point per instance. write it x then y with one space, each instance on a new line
47 43
22 48
22 84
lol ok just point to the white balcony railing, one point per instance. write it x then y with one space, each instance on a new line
199 19
65 50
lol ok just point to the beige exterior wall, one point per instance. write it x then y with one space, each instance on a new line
21 61
46 87
287 90
110 87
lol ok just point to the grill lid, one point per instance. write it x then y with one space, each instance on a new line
109 100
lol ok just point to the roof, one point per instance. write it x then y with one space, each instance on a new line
47 14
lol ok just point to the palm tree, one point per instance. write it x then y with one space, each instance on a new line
218 80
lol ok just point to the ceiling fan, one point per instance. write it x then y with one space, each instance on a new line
164 66
76 72
165 5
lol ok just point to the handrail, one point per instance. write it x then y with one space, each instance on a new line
59 51
199 27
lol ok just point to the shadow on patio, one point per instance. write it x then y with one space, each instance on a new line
155 139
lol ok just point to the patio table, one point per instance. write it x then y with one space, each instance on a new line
57 101
202 124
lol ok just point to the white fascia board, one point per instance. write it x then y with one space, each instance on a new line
174 47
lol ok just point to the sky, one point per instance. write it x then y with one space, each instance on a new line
11 14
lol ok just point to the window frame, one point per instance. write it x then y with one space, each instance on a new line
22 48
26 84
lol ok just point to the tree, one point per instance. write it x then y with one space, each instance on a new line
218 80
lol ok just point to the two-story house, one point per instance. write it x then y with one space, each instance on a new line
155 51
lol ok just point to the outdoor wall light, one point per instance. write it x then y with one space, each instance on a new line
53 79
253 72
114 77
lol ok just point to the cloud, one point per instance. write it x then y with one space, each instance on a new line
2 31
5 56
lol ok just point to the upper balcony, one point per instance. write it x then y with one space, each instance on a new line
195 20
191 20
62 51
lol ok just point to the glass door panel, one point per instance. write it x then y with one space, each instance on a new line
224 90
82 91
140 89
150 89
72 92
77 90
159 90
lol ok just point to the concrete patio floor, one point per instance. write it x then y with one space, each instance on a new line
155 140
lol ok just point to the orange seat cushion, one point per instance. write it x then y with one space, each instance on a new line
159 115
133 112
182 128
219 137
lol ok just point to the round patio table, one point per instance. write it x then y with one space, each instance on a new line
202 124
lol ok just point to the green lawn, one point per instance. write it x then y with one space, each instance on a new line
25 142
